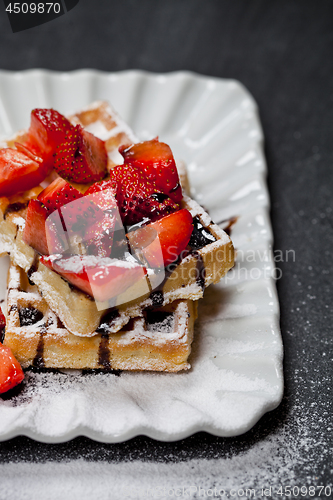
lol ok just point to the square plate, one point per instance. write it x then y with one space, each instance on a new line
236 373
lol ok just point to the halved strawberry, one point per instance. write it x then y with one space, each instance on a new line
18 172
164 239
101 278
48 129
156 160
137 197
81 157
11 372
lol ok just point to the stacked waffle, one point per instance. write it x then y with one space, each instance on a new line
52 324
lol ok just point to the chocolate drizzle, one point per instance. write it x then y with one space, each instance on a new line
200 236
38 361
107 321
201 271
157 321
104 328
29 316
33 267
104 352
229 224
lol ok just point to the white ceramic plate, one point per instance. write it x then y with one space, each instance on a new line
237 355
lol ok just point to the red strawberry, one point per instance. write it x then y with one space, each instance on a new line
26 151
18 172
81 157
156 160
164 239
137 197
11 372
2 324
47 130
48 237
57 194
101 278
99 237
34 233
2 320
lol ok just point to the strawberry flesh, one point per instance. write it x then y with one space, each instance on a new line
48 129
18 172
156 160
81 157
161 242
11 373
100 278
34 233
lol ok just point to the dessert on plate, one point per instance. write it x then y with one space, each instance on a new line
108 254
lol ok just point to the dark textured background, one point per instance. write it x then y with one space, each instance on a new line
282 51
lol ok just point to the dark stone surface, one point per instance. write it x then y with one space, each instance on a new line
282 51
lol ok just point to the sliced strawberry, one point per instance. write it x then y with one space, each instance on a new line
137 197
164 239
156 160
11 373
108 190
104 194
28 152
48 237
48 129
34 233
18 172
82 157
58 194
101 278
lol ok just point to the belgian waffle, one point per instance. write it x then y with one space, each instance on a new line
79 313
160 340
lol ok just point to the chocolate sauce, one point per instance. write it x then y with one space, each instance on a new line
104 352
200 236
33 267
157 321
157 298
201 271
38 361
29 316
229 224
157 295
107 321
60 324
14 207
